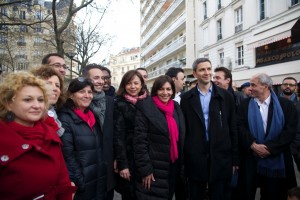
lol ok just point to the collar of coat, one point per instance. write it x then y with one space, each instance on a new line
12 145
154 115
217 92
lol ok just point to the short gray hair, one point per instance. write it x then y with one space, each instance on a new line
264 79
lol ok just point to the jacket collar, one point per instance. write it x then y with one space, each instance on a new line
13 145
153 114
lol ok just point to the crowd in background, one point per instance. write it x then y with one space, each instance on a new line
85 140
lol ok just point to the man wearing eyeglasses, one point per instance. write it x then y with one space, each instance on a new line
289 88
107 87
56 61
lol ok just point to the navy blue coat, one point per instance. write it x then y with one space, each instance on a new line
213 160
82 149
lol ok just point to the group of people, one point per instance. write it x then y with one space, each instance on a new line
86 140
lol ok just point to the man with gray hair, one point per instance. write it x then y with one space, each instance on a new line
267 126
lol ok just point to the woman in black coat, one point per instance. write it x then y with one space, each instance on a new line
158 142
130 91
82 142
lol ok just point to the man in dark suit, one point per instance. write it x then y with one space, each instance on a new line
267 126
103 107
211 145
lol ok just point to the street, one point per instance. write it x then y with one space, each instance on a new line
117 196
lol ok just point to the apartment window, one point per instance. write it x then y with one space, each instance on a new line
262 9
3 27
239 19
205 10
38 15
3 51
23 28
219 29
21 41
22 14
3 39
240 55
294 2
221 58
205 37
3 12
219 3
38 28
206 56
38 40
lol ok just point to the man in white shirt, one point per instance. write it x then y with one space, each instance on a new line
267 125
177 75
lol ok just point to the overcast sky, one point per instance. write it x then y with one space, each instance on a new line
123 22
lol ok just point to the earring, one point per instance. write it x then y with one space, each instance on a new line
10 116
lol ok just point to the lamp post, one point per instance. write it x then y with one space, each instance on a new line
71 55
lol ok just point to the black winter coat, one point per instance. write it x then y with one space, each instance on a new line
213 160
278 145
124 123
82 149
151 145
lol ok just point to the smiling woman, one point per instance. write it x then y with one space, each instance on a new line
39 164
82 141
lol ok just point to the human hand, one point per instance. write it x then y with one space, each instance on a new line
125 174
147 181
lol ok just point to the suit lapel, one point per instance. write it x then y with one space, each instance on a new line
196 105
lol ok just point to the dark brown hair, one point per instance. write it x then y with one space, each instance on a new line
128 76
159 82
46 57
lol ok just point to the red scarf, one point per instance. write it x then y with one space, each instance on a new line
168 110
35 134
88 117
50 121
133 100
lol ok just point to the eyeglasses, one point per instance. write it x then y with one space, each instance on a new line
106 78
58 66
288 84
145 76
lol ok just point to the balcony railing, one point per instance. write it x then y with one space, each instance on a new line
166 14
165 51
162 70
161 21
179 21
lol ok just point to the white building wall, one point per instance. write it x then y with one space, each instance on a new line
277 14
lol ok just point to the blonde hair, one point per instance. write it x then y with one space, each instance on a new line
13 83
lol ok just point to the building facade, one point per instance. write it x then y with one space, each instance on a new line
163 36
127 59
26 33
249 37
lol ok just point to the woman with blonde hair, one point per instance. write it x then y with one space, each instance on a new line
31 162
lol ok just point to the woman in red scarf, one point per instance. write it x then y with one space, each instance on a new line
31 162
158 142
82 142
131 90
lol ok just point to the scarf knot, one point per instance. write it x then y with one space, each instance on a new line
272 166
168 110
133 100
